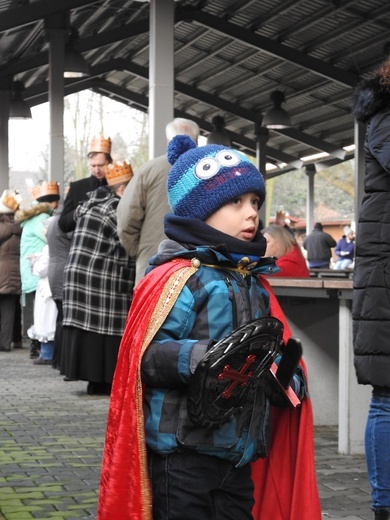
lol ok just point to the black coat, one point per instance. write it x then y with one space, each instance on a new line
371 282
77 193
318 245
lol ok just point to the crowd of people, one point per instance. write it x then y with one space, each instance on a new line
131 283
117 228
65 264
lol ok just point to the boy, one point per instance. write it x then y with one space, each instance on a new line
202 285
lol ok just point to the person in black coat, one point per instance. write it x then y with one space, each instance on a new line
99 156
318 245
371 282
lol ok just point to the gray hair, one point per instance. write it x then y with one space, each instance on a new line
180 126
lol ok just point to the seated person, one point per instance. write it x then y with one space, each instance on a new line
282 244
345 249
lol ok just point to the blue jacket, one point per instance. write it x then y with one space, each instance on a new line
214 301
345 246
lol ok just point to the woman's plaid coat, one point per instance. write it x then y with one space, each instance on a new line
99 274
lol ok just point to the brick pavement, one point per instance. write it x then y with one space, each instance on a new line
51 439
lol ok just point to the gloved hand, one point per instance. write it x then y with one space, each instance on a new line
273 391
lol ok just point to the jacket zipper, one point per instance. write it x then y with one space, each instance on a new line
232 299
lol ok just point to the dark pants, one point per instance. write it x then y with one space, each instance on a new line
7 313
58 336
192 486
17 332
28 312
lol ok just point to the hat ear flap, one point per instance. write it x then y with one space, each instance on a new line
177 146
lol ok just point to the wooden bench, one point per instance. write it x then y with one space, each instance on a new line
319 311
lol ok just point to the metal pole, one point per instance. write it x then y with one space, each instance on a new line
161 73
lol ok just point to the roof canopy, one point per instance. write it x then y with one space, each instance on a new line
230 56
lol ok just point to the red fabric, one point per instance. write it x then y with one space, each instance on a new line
285 484
122 494
292 265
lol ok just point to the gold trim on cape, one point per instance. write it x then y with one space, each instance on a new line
167 299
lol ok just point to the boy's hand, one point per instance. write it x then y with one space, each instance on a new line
273 391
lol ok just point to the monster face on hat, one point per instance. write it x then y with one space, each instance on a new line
203 179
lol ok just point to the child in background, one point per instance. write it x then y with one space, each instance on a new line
204 283
45 309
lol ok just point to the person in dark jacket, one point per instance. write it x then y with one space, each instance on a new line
318 245
10 280
197 470
371 282
99 156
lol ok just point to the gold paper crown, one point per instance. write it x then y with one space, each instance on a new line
100 144
118 173
46 188
11 201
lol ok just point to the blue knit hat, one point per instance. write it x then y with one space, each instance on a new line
205 178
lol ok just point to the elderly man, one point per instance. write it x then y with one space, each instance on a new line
144 203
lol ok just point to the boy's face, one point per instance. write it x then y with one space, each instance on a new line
238 218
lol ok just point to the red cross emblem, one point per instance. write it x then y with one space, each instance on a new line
236 376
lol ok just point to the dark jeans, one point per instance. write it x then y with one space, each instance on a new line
377 441
192 486
58 336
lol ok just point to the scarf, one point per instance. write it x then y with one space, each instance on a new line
194 231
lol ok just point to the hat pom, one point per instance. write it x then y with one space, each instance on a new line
179 145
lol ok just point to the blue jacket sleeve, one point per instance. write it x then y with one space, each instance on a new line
173 355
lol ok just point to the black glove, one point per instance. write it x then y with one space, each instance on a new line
273 391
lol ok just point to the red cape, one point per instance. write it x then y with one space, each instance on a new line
285 482
282 481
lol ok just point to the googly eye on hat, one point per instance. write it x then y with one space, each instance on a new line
205 178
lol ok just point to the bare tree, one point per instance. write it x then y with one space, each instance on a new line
80 110
88 114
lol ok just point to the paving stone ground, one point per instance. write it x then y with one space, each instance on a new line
51 440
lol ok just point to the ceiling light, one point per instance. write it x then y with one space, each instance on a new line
276 117
18 108
314 157
75 65
218 135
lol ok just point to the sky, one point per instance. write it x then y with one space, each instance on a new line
28 138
